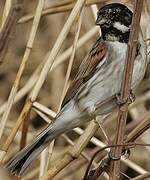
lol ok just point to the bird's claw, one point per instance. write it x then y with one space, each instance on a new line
111 157
126 153
130 100
131 97
120 102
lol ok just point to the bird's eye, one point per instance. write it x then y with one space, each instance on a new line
105 11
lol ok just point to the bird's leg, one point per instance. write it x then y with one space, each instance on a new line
109 142
130 100
91 111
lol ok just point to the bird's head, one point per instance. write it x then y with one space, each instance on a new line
114 15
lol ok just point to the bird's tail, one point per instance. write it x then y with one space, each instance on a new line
22 160
66 120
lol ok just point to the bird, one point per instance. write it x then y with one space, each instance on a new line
98 78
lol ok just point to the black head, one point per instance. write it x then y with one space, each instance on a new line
115 20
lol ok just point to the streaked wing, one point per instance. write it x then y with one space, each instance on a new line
86 69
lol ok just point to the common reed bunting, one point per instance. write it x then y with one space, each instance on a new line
98 78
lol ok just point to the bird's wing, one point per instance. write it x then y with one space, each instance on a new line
87 69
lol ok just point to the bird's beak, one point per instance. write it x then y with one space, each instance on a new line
100 21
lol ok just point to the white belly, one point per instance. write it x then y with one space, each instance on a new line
107 81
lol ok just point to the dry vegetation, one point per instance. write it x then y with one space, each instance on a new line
37 38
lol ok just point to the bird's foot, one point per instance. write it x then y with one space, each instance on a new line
126 153
112 157
120 102
131 97
130 100
126 150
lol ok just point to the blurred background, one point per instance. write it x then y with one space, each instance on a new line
51 93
